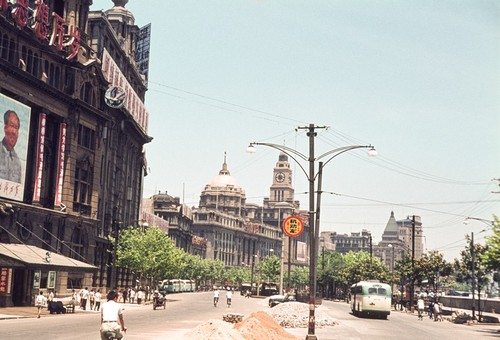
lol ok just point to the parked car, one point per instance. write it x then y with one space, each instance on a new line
277 299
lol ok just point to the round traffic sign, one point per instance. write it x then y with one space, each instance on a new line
293 226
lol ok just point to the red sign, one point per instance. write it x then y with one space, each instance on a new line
39 157
5 275
64 37
293 226
60 164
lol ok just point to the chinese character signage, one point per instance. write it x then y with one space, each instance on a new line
46 25
60 164
5 280
39 157
133 103
14 147
293 226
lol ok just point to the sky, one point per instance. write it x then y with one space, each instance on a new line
419 80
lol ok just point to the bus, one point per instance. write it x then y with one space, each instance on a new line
176 286
369 298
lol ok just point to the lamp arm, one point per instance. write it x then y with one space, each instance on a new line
339 151
289 152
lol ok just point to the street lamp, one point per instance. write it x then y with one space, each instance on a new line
251 275
311 177
473 260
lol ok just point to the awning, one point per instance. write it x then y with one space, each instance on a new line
26 256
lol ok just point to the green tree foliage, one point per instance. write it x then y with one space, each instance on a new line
151 253
464 265
361 266
270 268
491 257
299 277
431 267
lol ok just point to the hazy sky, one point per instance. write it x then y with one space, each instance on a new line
420 80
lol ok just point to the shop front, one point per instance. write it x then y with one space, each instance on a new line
27 269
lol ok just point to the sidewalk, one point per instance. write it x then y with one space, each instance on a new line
32 311
487 318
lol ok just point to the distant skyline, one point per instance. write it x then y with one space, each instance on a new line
420 80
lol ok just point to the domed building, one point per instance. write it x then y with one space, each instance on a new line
224 194
221 218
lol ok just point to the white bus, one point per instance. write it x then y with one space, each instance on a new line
370 298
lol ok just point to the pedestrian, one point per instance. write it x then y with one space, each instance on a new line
112 319
125 295
92 299
229 296
140 296
437 312
98 297
216 296
430 309
85 296
40 302
420 307
51 295
132 295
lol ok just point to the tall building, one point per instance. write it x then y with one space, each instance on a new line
72 166
397 240
344 243
232 229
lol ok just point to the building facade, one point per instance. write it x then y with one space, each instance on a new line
400 238
74 174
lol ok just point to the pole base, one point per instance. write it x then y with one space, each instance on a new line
311 337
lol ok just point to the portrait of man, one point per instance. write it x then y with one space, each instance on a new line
13 147
10 165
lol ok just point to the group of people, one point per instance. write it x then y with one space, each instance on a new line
85 297
134 295
434 309
229 296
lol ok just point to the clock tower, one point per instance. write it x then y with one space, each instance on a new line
281 189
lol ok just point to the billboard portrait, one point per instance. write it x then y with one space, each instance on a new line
14 147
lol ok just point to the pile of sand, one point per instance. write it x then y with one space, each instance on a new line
256 326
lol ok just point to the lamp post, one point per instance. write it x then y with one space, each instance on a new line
392 265
311 177
473 264
251 275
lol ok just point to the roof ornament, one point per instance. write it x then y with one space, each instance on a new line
120 3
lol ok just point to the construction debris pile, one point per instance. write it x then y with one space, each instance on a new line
269 324
296 315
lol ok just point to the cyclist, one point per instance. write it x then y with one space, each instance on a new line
112 317
216 296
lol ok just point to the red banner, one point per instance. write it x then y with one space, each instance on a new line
39 157
60 164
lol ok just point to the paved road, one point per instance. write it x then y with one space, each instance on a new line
188 310
400 326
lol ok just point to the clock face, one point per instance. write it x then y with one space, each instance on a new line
280 177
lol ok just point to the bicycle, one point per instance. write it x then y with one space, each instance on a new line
111 335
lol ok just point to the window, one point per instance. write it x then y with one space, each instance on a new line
83 187
86 137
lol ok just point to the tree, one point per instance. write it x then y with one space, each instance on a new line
432 266
151 253
270 268
469 268
299 277
361 266
491 257
330 268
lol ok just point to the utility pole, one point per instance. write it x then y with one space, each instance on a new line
312 239
473 258
412 286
